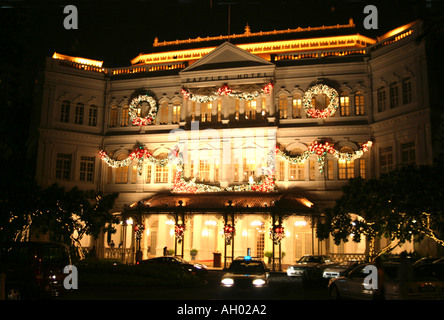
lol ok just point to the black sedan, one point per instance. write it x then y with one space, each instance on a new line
310 267
194 268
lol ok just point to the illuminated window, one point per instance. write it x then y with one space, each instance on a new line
149 172
64 111
264 106
312 170
92 116
176 112
386 159
362 168
205 111
407 91
297 106
162 116
359 103
249 167
86 169
161 174
283 105
114 115
125 117
344 104
63 166
281 176
394 100
134 174
250 109
408 155
219 110
121 174
296 171
204 170
381 99
346 168
79 112
216 171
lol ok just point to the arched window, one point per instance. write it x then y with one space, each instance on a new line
162 116
176 111
359 103
381 99
92 116
394 98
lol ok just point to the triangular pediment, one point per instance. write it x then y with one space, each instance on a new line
227 56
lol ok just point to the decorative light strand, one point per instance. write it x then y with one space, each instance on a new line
225 90
330 110
133 113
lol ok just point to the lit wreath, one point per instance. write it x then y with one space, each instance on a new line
142 121
332 95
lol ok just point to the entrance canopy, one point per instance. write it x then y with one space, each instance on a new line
280 203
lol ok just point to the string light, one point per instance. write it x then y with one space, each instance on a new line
225 90
332 95
133 113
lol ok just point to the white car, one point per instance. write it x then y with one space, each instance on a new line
309 266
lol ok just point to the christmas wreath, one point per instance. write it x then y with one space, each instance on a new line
332 95
151 115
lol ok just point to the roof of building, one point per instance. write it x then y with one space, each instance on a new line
282 202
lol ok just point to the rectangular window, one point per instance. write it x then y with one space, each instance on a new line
362 168
92 116
205 111
250 109
312 170
124 121
161 174
63 166
149 169
394 101
236 115
134 174
64 111
264 106
381 99
296 171
219 110
297 107
359 104
346 170
204 170
163 113
216 171
281 170
407 91
109 175
408 155
386 159
283 106
344 103
113 117
176 112
78 116
87 169
121 175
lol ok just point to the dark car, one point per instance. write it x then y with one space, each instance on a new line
246 273
310 267
33 269
194 268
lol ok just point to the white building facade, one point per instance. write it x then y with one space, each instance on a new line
246 118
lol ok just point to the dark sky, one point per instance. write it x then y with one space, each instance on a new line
116 31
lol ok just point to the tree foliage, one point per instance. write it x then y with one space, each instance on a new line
68 215
403 205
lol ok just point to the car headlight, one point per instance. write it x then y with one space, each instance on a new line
258 282
227 282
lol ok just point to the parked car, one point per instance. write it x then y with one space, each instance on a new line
338 270
195 268
422 285
33 269
245 273
310 267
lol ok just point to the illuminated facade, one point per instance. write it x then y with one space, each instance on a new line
233 121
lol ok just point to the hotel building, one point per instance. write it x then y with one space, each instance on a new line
257 132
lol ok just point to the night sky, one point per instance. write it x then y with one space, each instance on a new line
115 31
